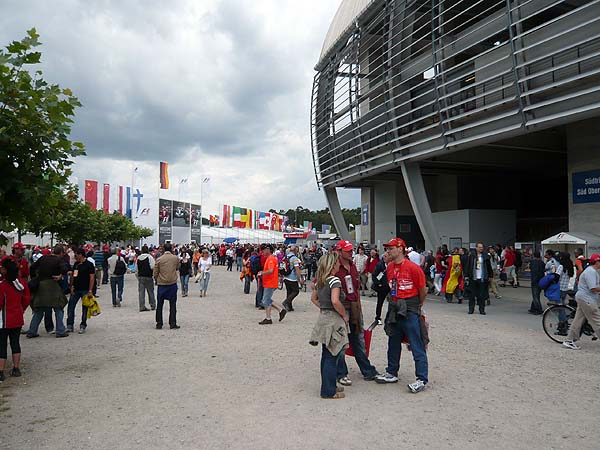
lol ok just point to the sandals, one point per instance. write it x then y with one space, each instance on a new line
336 396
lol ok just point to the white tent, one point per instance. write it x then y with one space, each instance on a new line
215 235
568 242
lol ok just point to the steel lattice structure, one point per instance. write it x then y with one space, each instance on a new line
409 80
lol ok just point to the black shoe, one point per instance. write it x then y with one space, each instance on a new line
265 322
158 326
62 335
15 372
153 308
261 308
145 309
482 313
175 327
471 312
31 336
282 314
460 302
371 377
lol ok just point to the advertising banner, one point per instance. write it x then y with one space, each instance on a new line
165 232
181 222
196 212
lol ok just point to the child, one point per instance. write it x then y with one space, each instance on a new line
14 299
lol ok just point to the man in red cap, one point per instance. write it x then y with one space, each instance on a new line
18 250
587 296
407 295
350 284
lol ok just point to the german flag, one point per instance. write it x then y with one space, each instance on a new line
164 175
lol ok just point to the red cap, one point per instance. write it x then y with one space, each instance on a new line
395 242
18 245
344 245
46 251
106 248
594 258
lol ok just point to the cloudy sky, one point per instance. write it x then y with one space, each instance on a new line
218 89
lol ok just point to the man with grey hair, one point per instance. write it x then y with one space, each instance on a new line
294 279
145 266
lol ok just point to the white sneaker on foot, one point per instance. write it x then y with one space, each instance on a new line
387 378
417 386
345 381
571 345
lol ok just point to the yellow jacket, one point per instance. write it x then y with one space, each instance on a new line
92 305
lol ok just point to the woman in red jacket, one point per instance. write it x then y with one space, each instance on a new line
14 299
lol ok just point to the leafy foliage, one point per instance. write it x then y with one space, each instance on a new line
318 218
35 150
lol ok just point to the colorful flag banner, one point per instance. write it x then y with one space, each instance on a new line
164 175
226 219
91 193
106 198
121 200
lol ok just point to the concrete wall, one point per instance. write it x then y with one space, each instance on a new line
493 227
452 224
583 144
475 225
384 211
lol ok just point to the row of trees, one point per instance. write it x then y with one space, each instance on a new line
36 155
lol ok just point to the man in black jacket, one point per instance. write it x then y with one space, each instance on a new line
478 273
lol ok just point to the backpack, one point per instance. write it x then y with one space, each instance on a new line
255 265
284 266
143 266
120 268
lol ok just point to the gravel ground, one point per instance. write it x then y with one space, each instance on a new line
222 381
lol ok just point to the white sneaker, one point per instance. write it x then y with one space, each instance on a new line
81 330
345 381
571 345
387 378
417 386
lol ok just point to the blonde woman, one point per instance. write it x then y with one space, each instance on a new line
331 329
204 264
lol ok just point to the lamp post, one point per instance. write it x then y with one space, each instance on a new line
205 180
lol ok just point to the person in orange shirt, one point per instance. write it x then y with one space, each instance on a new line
270 282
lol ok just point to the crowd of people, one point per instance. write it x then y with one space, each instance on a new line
50 279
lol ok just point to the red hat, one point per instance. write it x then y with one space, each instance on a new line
18 245
344 245
594 258
46 251
106 248
395 242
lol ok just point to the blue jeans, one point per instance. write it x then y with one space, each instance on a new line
357 341
267 299
166 292
117 283
185 279
259 292
330 371
75 297
36 319
205 281
410 328
247 282
239 264
536 304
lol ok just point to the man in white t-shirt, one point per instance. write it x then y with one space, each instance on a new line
415 256
587 296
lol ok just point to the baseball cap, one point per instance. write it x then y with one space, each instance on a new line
106 248
395 242
344 245
594 258
18 245
46 252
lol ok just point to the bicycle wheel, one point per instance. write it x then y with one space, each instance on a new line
556 321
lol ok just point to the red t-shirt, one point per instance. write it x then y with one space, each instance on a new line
271 280
407 276
371 263
509 259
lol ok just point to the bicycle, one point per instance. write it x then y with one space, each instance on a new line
557 320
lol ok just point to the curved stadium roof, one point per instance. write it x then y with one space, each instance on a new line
345 16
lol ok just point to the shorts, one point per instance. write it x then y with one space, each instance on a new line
511 273
267 298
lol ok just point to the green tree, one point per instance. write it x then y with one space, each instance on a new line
35 150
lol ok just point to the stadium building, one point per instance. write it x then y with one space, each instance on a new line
461 120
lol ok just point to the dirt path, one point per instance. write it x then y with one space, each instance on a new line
222 381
